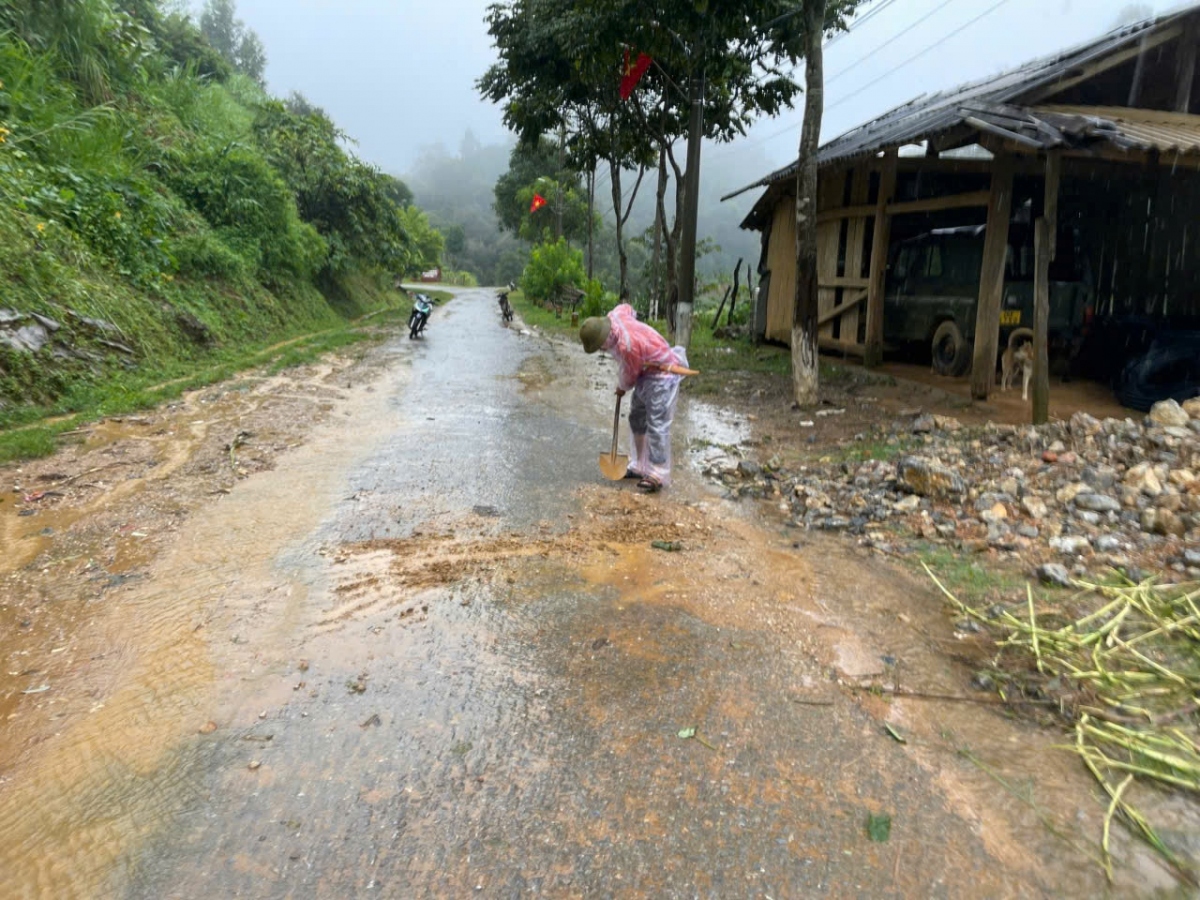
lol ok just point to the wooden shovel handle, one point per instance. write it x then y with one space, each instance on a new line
672 369
616 426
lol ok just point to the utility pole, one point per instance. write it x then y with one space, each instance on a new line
691 207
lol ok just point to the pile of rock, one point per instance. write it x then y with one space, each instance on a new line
30 332
1103 493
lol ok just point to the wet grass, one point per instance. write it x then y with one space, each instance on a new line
536 316
880 448
968 577
31 433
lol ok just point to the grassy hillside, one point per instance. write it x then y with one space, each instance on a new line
161 214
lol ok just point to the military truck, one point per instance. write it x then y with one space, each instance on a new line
932 293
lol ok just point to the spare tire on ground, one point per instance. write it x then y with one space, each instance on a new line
1168 370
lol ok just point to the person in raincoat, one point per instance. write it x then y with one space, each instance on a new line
642 355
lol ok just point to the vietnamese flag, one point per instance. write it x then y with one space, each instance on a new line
538 202
633 73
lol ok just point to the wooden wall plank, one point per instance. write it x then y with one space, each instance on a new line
855 245
781 262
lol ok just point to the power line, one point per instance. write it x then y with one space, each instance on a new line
788 128
852 27
859 22
889 41
991 9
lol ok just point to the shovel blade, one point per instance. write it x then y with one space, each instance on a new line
613 466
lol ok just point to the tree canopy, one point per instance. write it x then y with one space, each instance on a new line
240 46
561 61
536 170
717 66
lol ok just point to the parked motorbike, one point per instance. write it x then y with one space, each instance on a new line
422 307
505 307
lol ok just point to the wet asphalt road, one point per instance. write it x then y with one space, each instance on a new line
380 735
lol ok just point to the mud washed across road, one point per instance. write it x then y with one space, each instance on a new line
377 628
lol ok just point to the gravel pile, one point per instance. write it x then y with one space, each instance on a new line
1083 494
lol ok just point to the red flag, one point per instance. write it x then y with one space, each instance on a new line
538 202
633 73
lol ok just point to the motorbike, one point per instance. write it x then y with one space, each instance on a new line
422 307
505 307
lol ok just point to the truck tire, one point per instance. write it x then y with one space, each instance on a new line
951 351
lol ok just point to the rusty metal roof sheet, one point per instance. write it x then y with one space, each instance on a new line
1143 129
931 115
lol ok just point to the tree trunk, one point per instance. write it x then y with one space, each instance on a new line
562 163
691 209
615 183
591 216
805 372
656 304
671 242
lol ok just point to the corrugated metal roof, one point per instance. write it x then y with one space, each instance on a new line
1147 129
933 114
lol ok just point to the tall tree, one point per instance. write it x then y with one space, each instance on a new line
733 58
805 369
239 45
537 169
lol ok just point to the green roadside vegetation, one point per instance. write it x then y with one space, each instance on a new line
164 222
33 432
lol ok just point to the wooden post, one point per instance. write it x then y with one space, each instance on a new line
1041 321
1187 69
877 282
733 297
991 278
1045 246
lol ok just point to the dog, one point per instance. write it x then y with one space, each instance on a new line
1017 356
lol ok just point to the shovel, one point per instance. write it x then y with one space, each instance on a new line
612 465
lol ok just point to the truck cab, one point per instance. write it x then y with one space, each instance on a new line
932 293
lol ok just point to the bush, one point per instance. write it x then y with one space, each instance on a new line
204 254
243 198
552 266
596 300
462 279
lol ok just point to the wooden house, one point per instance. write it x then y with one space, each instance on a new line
1106 135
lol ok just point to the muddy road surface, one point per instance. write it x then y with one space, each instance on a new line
377 628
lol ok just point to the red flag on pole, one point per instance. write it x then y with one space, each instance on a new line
538 202
633 73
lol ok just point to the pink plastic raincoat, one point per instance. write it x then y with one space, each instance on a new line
638 348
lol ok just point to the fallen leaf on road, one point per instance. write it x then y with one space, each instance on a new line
879 828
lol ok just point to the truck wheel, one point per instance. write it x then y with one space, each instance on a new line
951 351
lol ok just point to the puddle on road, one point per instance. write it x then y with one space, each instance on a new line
713 425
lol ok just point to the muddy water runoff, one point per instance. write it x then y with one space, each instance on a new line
397 666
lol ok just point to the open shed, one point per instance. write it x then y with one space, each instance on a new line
1102 140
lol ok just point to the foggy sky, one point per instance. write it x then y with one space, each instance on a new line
400 74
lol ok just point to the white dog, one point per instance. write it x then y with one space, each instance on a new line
1017 356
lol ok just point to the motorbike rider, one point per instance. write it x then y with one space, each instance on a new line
642 355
